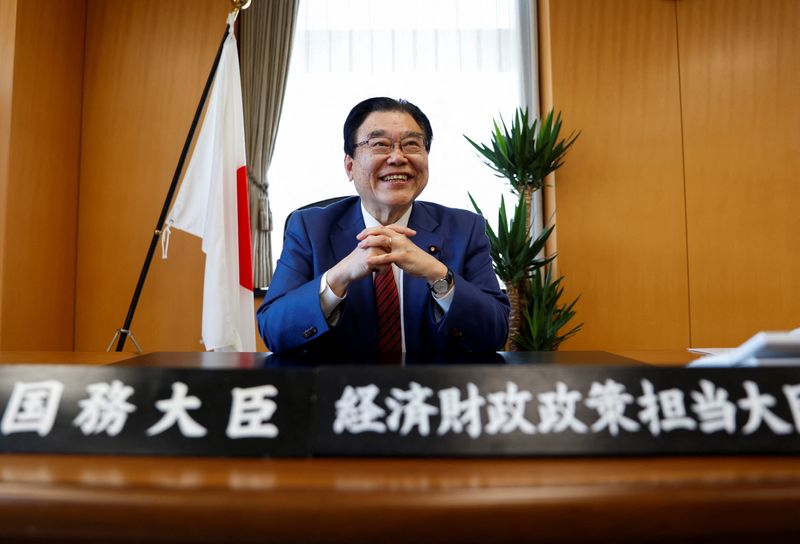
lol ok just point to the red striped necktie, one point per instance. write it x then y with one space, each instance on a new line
387 303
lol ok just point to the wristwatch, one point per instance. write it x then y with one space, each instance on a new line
442 285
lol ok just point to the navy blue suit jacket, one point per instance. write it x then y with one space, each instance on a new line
291 319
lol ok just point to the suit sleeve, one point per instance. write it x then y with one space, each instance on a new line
291 316
478 316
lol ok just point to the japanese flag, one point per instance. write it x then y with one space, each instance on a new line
212 204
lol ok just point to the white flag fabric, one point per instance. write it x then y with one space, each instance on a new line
212 204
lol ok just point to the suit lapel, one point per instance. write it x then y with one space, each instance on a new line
343 238
416 294
426 225
359 315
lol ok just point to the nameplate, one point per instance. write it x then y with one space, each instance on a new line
539 410
155 411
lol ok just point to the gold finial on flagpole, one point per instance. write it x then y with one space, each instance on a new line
239 5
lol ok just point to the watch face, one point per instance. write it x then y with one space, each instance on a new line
442 285
439 286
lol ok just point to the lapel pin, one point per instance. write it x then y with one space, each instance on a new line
433 249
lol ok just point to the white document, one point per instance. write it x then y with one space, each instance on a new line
763 349
710 351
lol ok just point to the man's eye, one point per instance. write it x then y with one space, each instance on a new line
412 146
380 145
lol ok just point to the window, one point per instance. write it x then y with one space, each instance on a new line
458 60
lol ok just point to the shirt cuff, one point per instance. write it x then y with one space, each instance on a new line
328 301
443 303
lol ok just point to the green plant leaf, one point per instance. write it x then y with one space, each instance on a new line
514 252
545 316
527 152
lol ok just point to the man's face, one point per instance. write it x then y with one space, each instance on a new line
388 183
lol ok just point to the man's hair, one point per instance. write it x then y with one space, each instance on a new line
381 103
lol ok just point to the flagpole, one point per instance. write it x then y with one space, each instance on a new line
125 331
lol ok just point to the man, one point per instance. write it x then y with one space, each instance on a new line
383 272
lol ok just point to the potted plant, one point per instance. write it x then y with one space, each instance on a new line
524 155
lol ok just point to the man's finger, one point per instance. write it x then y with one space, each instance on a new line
387 231
375 240
380 260
401 230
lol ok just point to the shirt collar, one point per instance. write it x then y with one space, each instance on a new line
370 221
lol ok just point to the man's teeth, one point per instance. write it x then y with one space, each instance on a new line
395 177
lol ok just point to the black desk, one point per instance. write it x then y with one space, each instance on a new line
268 360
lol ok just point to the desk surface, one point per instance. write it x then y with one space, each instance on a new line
109 499
136 499
656 357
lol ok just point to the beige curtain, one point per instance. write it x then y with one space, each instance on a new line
265 48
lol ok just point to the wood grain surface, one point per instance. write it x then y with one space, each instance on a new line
740 75
106 499
620 195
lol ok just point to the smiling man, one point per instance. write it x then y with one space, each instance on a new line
384 272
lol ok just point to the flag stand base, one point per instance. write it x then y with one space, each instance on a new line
126 332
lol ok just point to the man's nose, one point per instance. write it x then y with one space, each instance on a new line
396 155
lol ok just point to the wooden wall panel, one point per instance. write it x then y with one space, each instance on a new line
620 194
8 27
147 62
740 75
41 185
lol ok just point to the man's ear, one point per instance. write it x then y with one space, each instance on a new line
348 166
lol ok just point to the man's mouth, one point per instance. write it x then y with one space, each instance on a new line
395 177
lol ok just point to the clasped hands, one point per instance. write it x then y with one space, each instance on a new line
379 247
